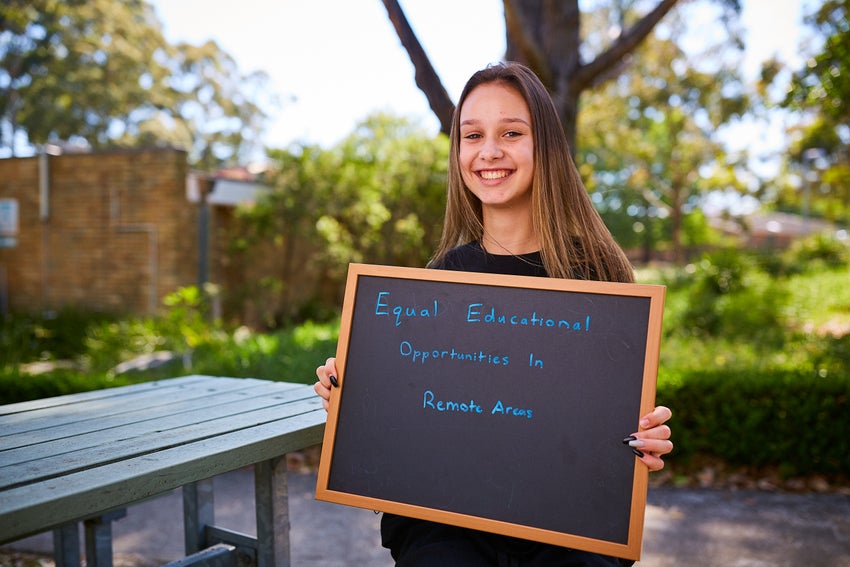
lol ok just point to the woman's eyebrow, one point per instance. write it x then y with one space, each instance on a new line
508 120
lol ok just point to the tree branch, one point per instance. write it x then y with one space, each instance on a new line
591 72
426 77
521 39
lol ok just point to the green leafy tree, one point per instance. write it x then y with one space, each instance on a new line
76 69
390 195
377 197
820 92
301 181
650 149
206 98
100 72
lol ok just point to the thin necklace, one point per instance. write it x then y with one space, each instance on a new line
505 248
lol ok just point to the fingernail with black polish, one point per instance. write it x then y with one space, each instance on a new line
637 452
629 439
333 380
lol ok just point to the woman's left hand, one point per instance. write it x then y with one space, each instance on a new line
653 438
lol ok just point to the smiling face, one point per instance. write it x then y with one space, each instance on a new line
496 148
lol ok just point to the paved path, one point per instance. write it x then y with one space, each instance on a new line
702 528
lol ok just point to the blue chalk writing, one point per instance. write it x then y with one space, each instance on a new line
500 408
478 313
407 350
429 401
403 312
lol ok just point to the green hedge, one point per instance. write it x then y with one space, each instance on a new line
755 363
17 387
798 422
794 420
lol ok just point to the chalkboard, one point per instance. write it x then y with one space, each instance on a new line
494 402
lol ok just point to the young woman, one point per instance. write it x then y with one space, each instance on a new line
515 205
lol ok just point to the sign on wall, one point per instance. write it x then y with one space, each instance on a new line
8 223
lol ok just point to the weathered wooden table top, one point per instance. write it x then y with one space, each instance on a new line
71 457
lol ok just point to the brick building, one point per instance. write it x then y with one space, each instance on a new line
118 231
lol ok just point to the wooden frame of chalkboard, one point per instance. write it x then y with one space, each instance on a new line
494 402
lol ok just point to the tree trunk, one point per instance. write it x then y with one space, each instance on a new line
676 223
546 36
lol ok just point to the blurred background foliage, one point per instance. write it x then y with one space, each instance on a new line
756 349
755 356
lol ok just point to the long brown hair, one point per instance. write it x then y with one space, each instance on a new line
574 242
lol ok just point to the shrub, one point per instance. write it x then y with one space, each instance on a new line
764 382
18 387
830 355
51 336
731 296
796 420
290 355
817 252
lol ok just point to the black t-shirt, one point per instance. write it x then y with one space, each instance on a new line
473 258
399 533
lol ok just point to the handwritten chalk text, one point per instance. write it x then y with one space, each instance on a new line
430 402
478 313
402 312
407 350
500 408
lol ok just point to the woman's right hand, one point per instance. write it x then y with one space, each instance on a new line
327 380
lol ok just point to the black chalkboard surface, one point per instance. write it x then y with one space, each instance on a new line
494 402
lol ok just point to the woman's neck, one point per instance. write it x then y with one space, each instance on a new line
509 234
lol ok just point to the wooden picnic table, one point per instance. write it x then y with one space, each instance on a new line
86 457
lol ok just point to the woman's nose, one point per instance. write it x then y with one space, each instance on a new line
491 149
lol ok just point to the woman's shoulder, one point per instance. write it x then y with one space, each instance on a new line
461 257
